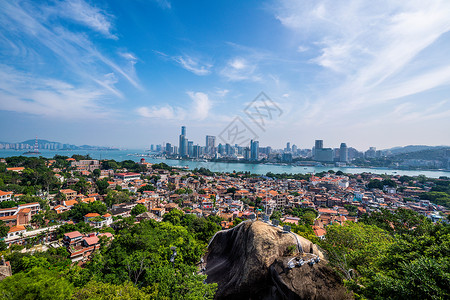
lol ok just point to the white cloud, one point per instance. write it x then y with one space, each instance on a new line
239 68
193 65
222 93
163 112
201 105
85 14
24 93
74 50
302 48
198 109
376 52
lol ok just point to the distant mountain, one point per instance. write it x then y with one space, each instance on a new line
434 153
411 148
49 145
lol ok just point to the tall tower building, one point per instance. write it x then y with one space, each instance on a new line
183 143
210 148
190 147
254 150
343 153
319 144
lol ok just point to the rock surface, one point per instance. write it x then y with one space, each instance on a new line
250 262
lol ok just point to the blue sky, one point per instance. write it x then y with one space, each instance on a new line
130 73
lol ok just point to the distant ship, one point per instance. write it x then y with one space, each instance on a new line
35 150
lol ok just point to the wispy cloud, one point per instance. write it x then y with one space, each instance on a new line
370 54
188 62
198 109
239 68
24 93
85 14
74 50
166 4
157 112
193 65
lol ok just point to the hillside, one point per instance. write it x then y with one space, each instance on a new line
411 149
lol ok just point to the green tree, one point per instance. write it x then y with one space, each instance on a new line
3 229
276 215
138 209
147 187
375 184
107 291
102 185
38 283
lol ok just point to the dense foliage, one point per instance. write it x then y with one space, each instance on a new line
137 264
399 255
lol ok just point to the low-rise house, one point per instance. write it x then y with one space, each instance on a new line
16 169
5 196
159 211
20 215
70 194
73 238
98 221
125 177
18 230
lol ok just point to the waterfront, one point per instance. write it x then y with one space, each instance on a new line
120 155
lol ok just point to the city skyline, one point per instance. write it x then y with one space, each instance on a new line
128 74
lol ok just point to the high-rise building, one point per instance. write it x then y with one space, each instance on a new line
190 147
343 153
294 149
246 153
196 151
210 145
221 149
182 150
168 149
288 147
321 153
229 150
324 155
254 150
318 144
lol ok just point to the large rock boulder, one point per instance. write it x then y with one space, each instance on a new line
250 262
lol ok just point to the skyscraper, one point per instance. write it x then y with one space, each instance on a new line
183 143
169 149
210 145
343 153
254 150
190 146
319 144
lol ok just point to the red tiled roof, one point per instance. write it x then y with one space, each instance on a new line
17 228
73 234
92 215
92 240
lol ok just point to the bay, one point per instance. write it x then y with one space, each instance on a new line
136 155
